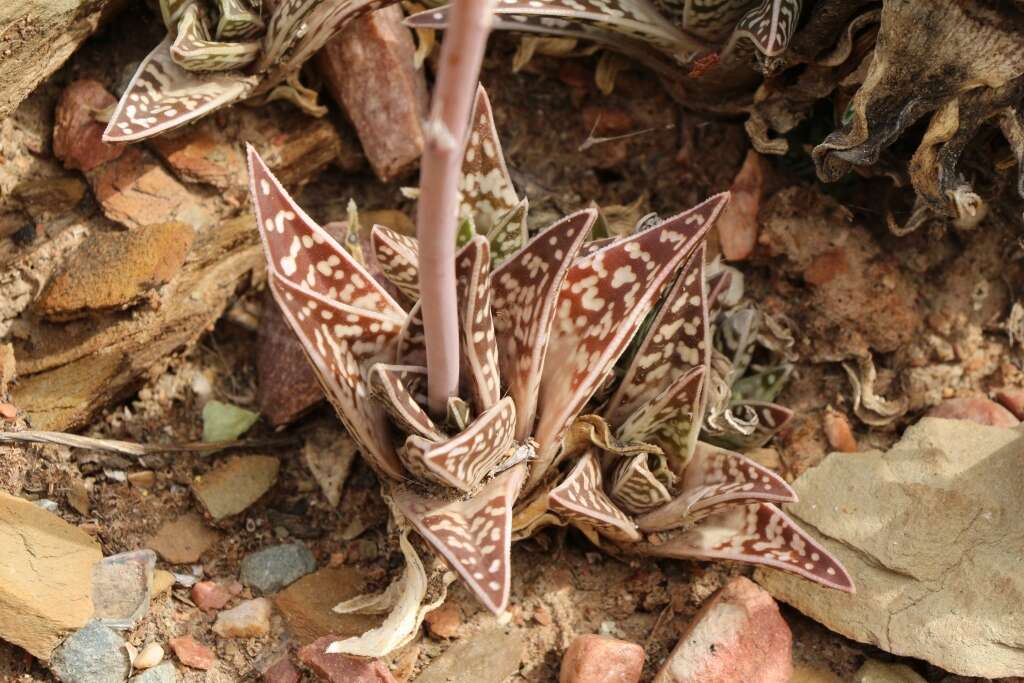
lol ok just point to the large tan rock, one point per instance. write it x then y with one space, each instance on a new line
45 576
931 533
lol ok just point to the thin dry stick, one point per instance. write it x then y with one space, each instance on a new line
436 220
130 448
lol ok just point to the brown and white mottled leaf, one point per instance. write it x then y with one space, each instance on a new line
464 460
676 342
398 258
510 233
194 50
162 96
171 11
629 20
399 389
762 420
635 488
411 348
487 191
474 536
770 25
324 20
479 347
304 254
581 499
283 30
237 20
759 534
671 419
337 337
524 292
602 304
714 478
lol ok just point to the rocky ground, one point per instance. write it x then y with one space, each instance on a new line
132 307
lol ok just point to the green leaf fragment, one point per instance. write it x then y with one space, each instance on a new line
226 422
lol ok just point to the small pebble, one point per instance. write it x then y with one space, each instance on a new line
48 505
151 655
7 411
251 619
273 568
162 581
975 409
444 622
164 673
145 479
599 659
193 654
838 432
209 596
93 654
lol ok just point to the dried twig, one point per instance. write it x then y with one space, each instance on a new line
436 222
130 448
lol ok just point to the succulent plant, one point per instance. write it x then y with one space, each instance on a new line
217 53
543 321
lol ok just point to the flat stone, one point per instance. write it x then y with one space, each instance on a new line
308 605
250 619
94 654
738 635
45 576
121 588
164 673
235 484
334 668
115 270
193 654
183 540
329 453
286 385
369 70
487 657
975 409
77 135
202 153
930 532
210 596
271 569
876 672
599 659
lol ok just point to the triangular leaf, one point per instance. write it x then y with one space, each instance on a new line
479 347
398 258
487 191
474 536
195 51
580 498
770 25
395 386
162 96
758 534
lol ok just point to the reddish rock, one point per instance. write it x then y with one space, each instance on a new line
737 226
201 153
838 432
286 386
342 668
135 190
193 654
1013 400
738 635
77 135
369 70
598 659
444 622
975 409
209 596
281 671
